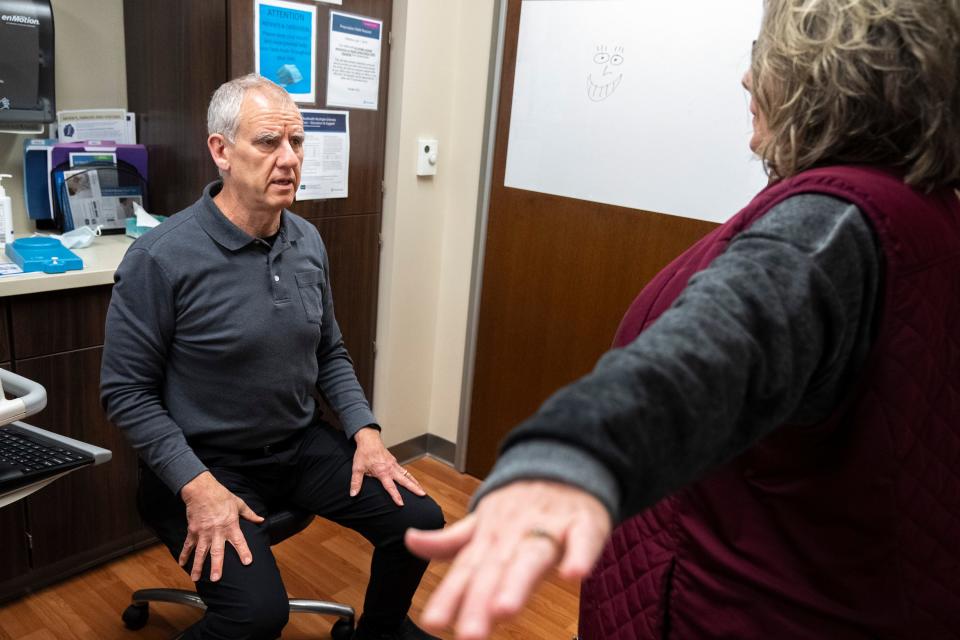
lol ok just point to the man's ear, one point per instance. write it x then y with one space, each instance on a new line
219 151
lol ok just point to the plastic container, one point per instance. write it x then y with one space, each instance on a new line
43 254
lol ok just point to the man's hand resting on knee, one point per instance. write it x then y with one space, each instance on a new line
213 519
374 460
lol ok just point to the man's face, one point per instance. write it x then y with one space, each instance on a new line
263 164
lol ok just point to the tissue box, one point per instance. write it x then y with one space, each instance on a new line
134 231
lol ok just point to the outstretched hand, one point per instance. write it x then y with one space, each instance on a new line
213 519
373 459
503 550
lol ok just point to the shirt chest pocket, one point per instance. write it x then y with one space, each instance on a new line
310 287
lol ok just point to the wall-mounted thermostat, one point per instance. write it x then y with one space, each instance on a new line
426 157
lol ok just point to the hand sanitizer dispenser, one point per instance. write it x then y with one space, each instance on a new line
6 213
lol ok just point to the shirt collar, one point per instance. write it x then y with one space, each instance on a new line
229 235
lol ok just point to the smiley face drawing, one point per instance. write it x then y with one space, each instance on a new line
602 83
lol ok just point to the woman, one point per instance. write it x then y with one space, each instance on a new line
777 433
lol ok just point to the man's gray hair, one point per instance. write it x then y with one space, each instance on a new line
223 115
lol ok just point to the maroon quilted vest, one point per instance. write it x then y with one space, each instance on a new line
845 529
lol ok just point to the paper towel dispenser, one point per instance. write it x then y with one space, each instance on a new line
26 62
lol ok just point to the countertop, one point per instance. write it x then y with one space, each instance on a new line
100 261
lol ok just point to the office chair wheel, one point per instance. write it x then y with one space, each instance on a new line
342 630
135 616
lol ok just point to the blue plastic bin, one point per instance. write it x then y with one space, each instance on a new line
43 254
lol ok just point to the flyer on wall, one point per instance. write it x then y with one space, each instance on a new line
102 125
353 71
326 154
285 46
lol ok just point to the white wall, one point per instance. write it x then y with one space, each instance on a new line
468 114
90 72
438 85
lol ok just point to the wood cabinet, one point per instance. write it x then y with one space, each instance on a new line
14 553
178 52
4 334
97 504
58 321
89 516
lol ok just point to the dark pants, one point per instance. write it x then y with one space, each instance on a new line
311 472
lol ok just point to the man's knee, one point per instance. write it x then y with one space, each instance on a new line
424 514
260 615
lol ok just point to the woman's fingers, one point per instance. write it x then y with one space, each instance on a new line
442 544
503 550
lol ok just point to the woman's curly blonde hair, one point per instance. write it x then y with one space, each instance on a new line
861 82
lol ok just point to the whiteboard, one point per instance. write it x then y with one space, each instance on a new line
636 103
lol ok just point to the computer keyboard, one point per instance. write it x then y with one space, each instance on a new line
26 457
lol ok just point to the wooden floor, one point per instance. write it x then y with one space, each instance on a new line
322 562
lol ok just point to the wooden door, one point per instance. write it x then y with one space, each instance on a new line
353 244
176 57
558 274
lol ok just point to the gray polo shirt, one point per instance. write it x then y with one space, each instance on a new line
216 340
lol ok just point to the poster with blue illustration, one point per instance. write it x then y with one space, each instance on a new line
285 46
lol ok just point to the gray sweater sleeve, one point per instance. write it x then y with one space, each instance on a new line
770 333
140 328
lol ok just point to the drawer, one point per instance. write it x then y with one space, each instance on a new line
4 333
58 321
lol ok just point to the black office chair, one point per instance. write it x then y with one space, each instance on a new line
280 525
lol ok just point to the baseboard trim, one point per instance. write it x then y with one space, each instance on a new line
441 449
427 444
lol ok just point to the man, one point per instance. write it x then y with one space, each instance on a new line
220 331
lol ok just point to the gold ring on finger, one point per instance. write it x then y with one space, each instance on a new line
543 534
